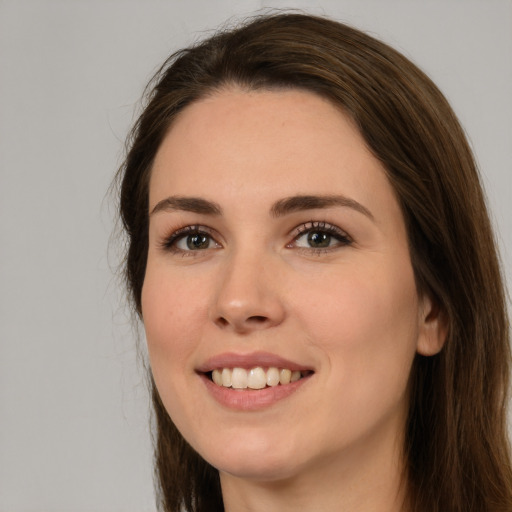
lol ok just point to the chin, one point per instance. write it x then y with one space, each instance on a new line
266 469
254 458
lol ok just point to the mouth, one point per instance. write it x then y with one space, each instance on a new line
252 382
255 378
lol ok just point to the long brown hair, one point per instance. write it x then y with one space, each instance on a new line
456 447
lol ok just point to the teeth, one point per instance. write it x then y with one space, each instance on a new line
226 377
255 378
217 377
239 378
272 377
285 376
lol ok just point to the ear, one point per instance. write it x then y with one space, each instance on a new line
433 326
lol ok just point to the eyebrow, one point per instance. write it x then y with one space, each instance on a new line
187 204
279 208
307 202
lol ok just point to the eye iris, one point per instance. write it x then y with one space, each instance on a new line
319 239
198 241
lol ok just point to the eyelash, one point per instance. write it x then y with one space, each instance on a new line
341 236
170 242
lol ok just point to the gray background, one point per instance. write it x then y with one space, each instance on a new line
73 407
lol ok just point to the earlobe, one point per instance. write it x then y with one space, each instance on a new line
433 327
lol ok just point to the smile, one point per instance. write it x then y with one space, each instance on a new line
253 381
255 378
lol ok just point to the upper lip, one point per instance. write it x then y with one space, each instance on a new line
248 361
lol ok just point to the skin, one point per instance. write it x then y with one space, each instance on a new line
350 311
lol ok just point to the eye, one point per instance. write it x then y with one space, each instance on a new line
194 242
320 236
190 239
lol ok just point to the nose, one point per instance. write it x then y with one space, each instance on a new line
249 294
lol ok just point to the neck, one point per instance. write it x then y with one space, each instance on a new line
368 479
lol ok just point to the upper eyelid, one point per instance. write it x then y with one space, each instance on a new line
319 226
192 228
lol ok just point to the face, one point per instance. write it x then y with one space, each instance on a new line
277 248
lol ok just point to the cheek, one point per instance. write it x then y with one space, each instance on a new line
353 305
367 331
171 313
367 327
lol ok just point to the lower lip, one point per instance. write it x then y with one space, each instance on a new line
252 399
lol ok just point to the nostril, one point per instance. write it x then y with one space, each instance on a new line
257 319
222 322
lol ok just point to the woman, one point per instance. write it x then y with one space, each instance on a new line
310 254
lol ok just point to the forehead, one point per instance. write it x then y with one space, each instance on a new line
274 143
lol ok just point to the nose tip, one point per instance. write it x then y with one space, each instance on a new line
248 299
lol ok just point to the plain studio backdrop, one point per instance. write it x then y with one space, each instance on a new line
74 432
